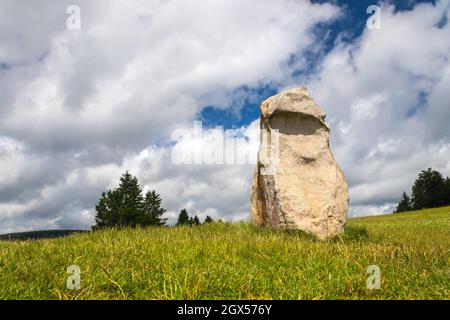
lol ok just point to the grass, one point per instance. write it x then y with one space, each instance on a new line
237 261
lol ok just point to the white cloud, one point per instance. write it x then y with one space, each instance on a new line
384 131
87 104
79 108
137 70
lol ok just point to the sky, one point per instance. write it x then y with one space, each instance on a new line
91 91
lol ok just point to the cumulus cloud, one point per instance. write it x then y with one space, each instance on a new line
81 106
385 97
78 108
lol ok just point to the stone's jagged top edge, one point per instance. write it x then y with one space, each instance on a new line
295 100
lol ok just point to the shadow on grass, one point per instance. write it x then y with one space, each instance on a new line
355 233
351 233
300 234
291 233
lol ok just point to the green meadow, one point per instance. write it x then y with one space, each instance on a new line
237 261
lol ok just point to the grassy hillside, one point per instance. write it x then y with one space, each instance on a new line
237 261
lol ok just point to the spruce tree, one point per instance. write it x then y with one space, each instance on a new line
428 190
152 214
447 192
109 210
404 204
208 219
132 206
126 207
103 218
196 221
183 218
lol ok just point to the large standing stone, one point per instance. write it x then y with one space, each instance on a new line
297 183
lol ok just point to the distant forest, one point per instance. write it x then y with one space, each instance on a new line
30 235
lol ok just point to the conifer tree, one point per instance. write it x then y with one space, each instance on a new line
196 221
183 218
125 206
428 190
208 219
152 215
404 204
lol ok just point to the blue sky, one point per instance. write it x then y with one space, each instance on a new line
348 28
78 107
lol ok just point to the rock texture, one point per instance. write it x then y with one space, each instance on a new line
297 183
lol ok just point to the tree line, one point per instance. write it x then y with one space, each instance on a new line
430 190
39 234
127 206
184 219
